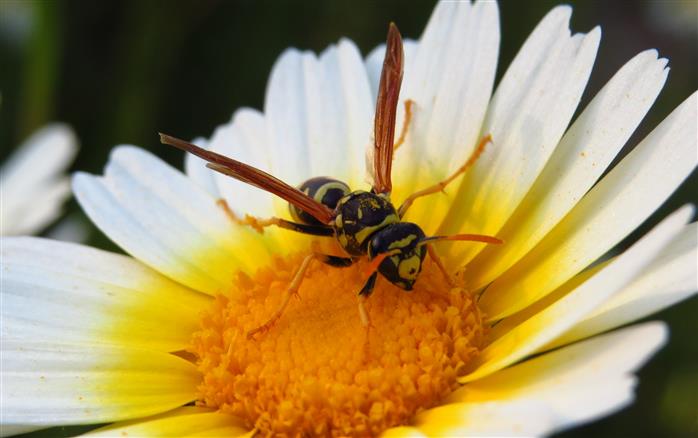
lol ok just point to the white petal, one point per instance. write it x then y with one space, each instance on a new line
182 422
450 81
510 322
61 292
29 182
559 317
403 432
671 277
518 418
573 385
43 155
319 113
161 218
244 139
61 384
36 209
529 112
584 152
619 203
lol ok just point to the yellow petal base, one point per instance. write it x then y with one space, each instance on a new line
315 372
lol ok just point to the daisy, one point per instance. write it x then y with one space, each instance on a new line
32 184
156 343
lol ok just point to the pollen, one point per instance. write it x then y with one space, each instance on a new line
318 371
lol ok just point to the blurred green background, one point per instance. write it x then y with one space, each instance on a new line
119 72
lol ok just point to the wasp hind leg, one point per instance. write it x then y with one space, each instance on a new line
295 285
441 185
260 224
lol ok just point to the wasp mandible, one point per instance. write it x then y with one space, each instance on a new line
364 223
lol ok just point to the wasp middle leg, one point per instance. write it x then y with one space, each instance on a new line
339 262
441 185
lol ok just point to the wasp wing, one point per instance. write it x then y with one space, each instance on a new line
253 176
386 109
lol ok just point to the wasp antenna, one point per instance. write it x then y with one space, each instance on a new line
463 237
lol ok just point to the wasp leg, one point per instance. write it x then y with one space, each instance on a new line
367 290
435 257
296 284
223 204
315 230
336 261
366 322
441 185
259 224
251 221
290 291
363 295
405 124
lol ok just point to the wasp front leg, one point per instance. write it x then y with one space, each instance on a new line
439 264
295 285
441 185
363 295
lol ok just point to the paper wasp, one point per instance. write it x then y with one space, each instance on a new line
364 223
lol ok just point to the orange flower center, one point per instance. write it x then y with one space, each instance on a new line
318 371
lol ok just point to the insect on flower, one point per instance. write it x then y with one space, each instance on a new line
364 223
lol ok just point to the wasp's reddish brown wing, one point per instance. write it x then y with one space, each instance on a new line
386 108
255 177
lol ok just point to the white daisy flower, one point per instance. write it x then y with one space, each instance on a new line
93 337
33 186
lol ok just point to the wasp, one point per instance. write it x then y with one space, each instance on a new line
364 223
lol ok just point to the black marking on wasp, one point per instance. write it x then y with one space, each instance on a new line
364 223
325 190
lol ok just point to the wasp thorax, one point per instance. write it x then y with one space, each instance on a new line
327 191
402 268
359 215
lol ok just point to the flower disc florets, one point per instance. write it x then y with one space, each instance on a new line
315 372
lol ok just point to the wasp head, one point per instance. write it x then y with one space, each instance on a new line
401 240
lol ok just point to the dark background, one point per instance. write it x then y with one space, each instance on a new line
118 72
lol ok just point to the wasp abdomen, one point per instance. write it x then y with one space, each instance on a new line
327 191
359 215
401 269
